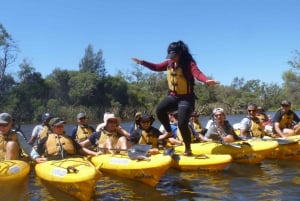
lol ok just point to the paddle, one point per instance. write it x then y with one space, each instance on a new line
285 141
282 141
136 152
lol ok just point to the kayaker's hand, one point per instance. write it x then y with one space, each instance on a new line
136 60
154 151
40 160
212 82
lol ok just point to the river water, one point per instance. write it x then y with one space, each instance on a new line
270 180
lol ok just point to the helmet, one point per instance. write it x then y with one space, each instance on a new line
46 116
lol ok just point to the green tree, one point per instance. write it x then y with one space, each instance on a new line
93 62
8 55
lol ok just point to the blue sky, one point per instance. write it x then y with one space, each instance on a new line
251 39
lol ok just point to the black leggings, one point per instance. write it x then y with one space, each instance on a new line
185 107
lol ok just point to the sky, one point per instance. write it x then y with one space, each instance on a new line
250 39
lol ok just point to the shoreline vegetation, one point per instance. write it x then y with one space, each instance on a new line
27 95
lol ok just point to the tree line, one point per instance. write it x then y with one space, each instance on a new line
91 89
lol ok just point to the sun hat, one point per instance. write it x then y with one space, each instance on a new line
56 121
108 116
137 115
81 115
5 118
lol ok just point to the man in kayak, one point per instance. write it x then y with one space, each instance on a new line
12 141
220 129
286 122
251 126
40 131
58 145
82 130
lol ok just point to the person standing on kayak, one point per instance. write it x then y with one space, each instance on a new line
181 71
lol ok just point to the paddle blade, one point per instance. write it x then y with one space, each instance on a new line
286 141
138 151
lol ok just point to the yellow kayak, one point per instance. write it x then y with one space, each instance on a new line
250 151
74 177
13 174
288 149
148 171
208 162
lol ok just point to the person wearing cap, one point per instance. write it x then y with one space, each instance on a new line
181 71
134 125
286 121
58 145
107 139
12 141
250 126
82 130
146 133
40 131
220 129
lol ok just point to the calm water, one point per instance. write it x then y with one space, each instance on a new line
270 180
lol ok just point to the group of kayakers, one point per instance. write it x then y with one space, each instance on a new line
175 109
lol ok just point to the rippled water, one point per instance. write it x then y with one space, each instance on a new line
270 180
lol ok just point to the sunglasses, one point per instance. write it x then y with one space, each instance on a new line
146 122
283 105
251 111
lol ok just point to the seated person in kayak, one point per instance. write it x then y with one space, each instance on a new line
82 130
134 124
196 126
173 140
121 131
146 134
220 129
286 122
251 126
58 145
40 131
13 142
107 139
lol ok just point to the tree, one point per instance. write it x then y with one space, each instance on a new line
27 95
93 63
8 56
291 86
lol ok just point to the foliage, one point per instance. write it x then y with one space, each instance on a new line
89 89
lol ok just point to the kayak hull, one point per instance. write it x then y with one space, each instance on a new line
13 177
250 151
74 177
206 162
145 171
